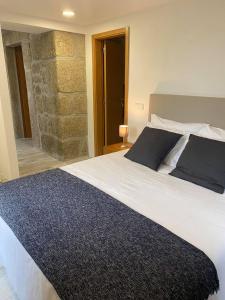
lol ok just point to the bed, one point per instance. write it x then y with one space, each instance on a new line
195 214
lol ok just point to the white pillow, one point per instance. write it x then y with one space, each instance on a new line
182 128
212 133
178 127
173 156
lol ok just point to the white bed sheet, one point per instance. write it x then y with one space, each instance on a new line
193 213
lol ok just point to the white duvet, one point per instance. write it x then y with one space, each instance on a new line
192 212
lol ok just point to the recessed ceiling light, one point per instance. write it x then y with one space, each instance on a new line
68 13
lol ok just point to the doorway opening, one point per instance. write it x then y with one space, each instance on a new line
48 97
24 106
110 83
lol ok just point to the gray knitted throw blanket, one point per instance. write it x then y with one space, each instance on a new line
91 246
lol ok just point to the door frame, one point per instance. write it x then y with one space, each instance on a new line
98 83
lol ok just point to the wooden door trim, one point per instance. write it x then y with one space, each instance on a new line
105 89
98 82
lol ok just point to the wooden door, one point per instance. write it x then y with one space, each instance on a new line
98 85
114 83
23 92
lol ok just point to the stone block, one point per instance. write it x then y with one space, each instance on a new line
40 123
52 125
48 124
71 75
48 77
84 147
64 44
38 104
69 149
69 44
69 104
36 68
50 144
37 90
72 126
49 104
42 46
36 47
36 79
79 45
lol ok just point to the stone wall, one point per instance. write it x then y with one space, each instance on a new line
55 73
59 85
11 39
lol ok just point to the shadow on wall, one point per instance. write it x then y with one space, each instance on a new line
54 64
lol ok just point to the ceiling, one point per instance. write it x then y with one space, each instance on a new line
88 12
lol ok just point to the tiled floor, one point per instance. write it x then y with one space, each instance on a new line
32 160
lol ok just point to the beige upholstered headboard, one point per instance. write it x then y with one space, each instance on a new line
189 108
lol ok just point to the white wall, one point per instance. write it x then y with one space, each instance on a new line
176 48
8 158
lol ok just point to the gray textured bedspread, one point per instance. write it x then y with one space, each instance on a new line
91 246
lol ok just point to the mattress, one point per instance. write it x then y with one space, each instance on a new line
192 212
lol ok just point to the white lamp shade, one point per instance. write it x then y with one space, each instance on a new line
123 131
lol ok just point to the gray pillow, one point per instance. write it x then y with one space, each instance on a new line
203 163
152 146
